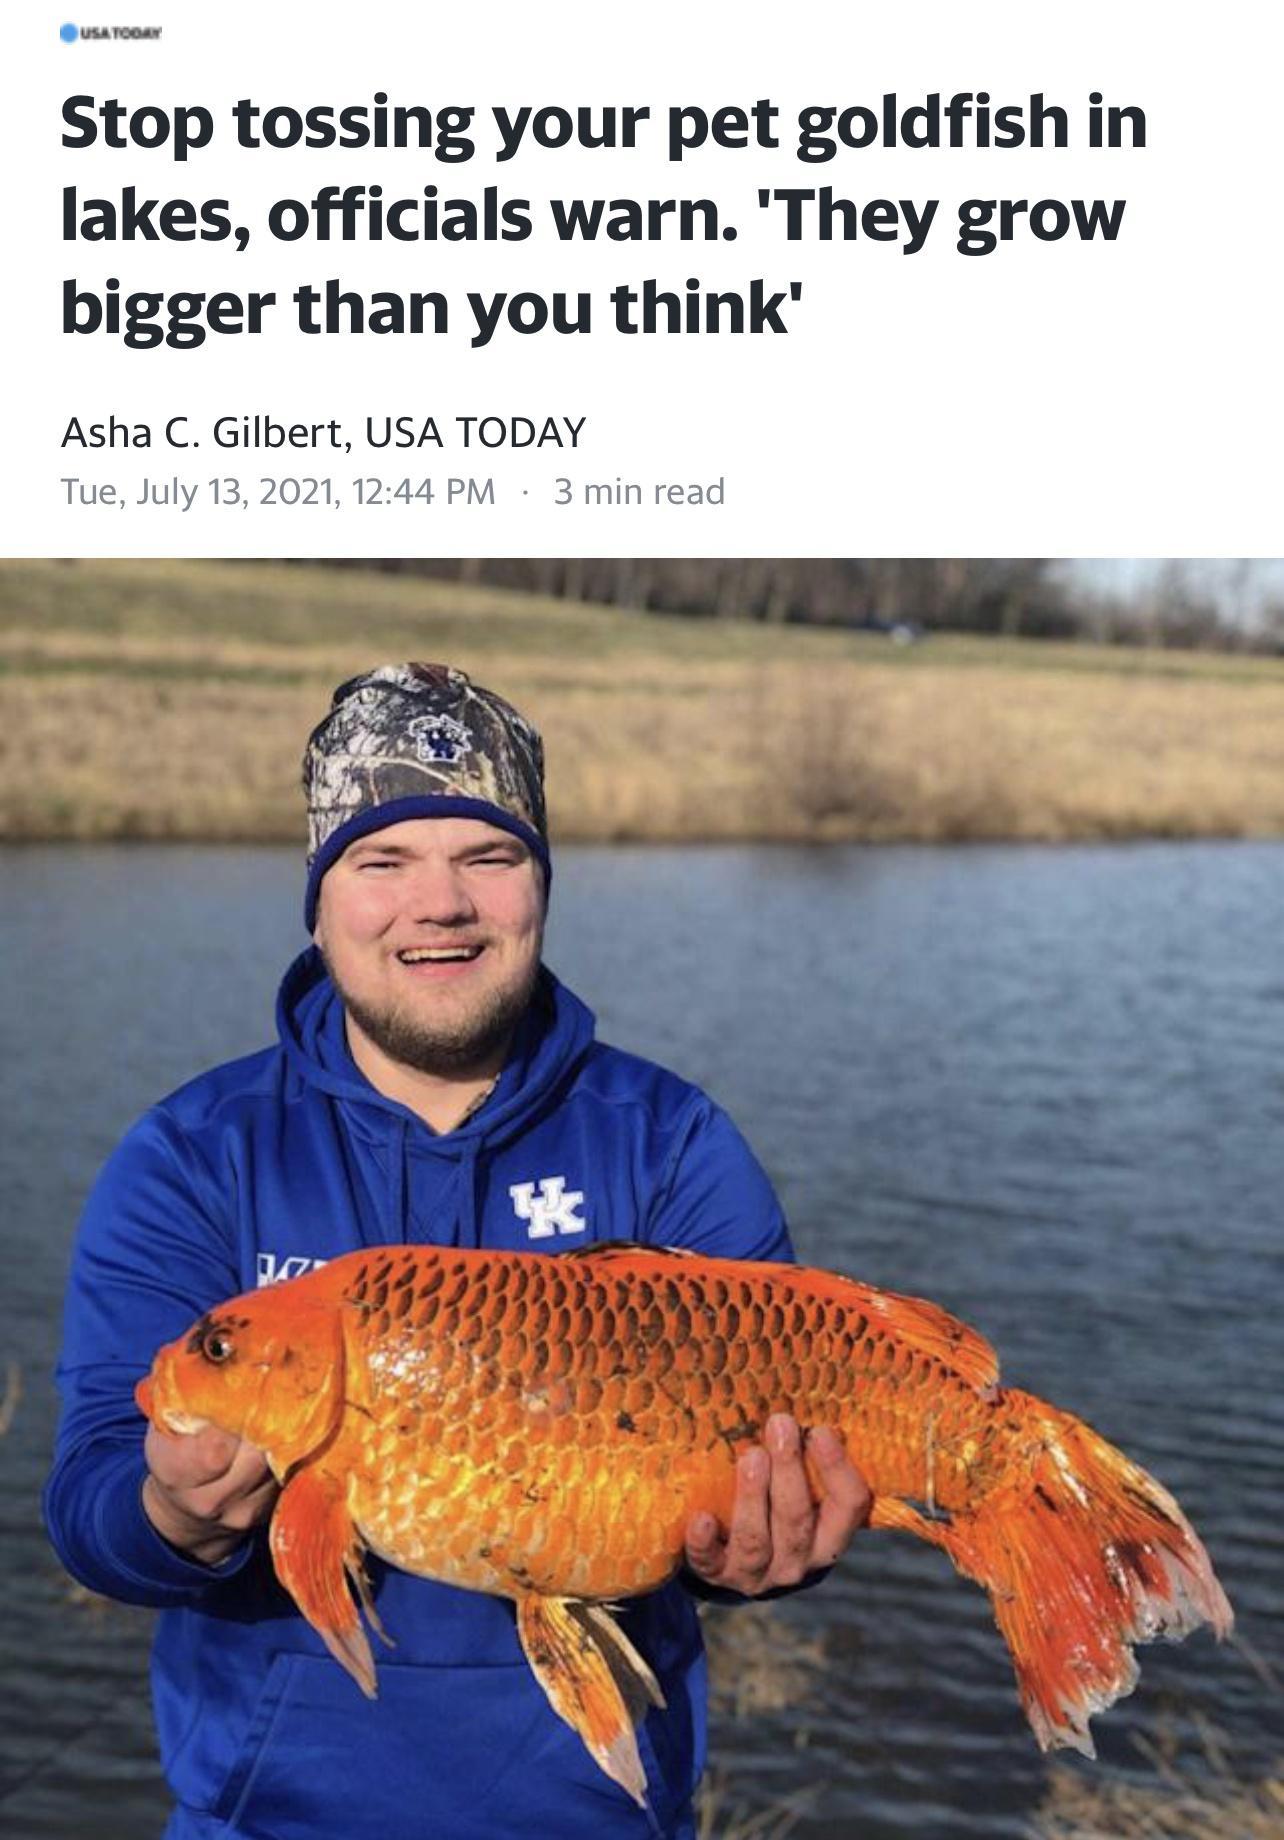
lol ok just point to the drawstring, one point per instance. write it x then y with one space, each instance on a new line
397 1153
469 1232
467 1226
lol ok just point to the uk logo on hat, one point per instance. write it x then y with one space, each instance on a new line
440 738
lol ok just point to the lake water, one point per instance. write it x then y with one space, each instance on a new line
1043 1087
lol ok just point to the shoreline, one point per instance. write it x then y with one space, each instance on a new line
568 839
169 702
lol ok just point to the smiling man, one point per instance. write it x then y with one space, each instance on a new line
433 1081
431 933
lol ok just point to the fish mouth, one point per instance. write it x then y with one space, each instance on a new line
180 1424
164 1417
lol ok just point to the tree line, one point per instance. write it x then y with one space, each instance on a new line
1224 606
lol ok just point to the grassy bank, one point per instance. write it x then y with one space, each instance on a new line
171 699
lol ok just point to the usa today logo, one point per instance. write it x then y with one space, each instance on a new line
69 33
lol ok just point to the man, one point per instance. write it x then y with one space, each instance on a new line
432 1082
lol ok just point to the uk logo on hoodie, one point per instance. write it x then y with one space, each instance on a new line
551 1210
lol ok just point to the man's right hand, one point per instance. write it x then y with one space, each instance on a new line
205 1491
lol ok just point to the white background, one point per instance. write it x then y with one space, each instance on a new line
1053 399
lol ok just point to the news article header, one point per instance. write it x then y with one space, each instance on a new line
460 134
690 281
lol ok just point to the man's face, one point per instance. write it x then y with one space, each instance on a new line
431 931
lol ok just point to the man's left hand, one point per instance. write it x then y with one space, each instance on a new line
777 1533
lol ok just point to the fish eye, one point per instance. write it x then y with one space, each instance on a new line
217 1346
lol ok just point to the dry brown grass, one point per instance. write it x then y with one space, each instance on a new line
172 699
1183 1801
1193 1792
758 1663
11 1395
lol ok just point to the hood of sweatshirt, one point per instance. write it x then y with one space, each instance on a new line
448 1169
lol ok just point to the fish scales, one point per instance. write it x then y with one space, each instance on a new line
544 1428
535 1386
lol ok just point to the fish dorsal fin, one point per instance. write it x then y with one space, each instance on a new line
594 1678
929 1328
610 1249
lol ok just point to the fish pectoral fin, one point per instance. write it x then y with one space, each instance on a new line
890 1511
580 1657
315 1549
631 1674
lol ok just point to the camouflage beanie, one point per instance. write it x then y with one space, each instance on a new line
419 741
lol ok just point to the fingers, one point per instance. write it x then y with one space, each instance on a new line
212 1477
769 1537
236 1498
232 1502
706 1549
188 1462
249 1468
241 1512
748 1555
741 1557
793 1513
845 1501
778 1532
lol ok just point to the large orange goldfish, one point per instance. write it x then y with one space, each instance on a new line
544 1428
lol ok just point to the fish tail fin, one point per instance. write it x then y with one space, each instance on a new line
594 1678
1083 1554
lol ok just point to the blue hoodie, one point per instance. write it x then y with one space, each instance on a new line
252 1173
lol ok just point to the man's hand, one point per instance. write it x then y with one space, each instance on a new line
205 1491
777 1535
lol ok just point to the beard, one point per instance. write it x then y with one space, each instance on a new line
449 1047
